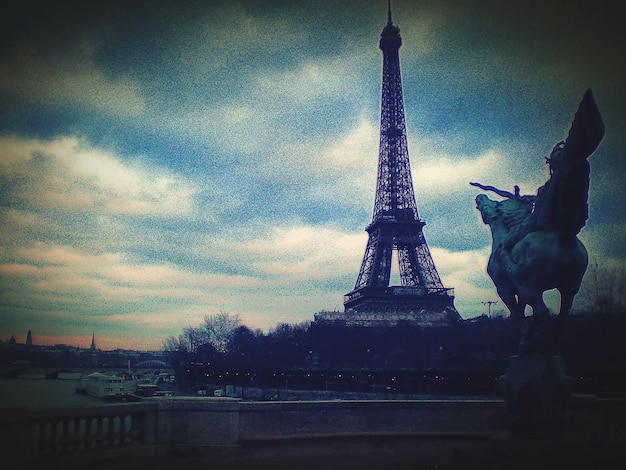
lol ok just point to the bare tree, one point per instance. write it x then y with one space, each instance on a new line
218 330
195 337
174 345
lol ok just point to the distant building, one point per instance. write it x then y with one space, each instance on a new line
29 338
93 342
421 318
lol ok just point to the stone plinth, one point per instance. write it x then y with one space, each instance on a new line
536 389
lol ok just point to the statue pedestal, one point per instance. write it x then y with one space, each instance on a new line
536 390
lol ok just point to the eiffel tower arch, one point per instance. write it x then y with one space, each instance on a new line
396 225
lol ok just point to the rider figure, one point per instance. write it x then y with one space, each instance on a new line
520 212
517 213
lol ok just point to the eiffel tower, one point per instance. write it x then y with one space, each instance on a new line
395 224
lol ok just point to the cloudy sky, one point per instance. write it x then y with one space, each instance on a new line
167 160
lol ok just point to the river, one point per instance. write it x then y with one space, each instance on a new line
41 394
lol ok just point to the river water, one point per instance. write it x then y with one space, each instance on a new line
41 394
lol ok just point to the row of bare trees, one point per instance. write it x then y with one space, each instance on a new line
216 330
223 341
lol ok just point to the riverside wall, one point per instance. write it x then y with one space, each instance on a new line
208 427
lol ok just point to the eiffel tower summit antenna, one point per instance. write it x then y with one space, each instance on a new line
396 225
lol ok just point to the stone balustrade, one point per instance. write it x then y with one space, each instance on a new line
209 426
52 435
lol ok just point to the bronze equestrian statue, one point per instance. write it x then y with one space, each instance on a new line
535 246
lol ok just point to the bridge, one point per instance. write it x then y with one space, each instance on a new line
424 433
152 364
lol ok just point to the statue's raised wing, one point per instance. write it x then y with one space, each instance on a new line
563 204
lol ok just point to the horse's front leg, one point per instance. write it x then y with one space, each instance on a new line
534 338
510 300
567 299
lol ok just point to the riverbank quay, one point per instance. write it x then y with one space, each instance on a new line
211 432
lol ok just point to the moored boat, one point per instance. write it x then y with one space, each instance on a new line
107 387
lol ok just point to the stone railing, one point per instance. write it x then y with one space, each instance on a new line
225 426
31 437
211 427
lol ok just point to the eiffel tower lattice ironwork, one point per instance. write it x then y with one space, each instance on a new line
395 223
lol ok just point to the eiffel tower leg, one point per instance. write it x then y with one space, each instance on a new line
368 262
409 268
376 265
382 265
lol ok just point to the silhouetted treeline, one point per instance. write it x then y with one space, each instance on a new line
592 345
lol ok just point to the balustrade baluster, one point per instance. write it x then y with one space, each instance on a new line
99 434
110 433
64 435
123 432
78 439
89 433
54 437
134 431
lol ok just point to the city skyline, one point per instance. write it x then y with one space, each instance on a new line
162 162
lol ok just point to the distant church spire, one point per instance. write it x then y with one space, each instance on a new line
93 342
29 338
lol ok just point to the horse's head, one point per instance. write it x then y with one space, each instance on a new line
488 208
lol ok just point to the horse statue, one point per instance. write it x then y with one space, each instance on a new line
540 261
535 247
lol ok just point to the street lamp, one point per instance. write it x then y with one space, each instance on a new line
489 303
